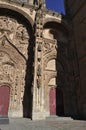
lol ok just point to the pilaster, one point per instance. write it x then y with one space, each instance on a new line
38 92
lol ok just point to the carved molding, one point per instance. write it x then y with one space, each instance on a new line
49 57
49 46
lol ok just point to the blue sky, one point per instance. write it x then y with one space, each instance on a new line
56 5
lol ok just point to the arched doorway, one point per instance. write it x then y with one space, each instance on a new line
4 100
56 103
15 65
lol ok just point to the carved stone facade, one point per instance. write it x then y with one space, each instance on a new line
35 61
32 40
13 55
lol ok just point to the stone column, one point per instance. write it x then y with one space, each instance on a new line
37 112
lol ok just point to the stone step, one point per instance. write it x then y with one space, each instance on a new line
4 120
57 118
19 119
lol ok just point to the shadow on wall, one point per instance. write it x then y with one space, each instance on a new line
65 90
28 94
57 33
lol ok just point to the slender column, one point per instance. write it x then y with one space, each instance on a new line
38 69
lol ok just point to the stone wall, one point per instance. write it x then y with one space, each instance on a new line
76 12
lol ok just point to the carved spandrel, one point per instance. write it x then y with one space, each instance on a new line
11 26
7 25
4 58
22 33
49 46
14 31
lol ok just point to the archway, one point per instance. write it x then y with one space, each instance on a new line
4 99
16 44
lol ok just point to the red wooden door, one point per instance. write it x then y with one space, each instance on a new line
52 101
4 100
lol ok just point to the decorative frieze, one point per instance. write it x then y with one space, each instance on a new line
49 46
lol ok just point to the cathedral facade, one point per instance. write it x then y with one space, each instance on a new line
75 10
36 72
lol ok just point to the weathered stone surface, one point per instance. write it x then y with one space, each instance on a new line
36 58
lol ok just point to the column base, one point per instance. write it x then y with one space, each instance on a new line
4 120
17 113
39 115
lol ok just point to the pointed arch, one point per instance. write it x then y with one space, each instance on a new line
16 9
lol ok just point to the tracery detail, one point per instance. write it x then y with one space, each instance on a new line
14 41
16 32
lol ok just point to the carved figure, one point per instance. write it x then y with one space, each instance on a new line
39 70
39 82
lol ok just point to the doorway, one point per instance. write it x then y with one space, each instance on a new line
52 101
4 100
59 102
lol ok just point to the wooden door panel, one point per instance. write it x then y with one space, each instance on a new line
52 101
4 100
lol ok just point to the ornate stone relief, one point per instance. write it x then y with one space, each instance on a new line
11 74
52 50
15 32
14 41
49 45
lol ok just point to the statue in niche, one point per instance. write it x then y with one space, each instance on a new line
22 32
38 82
39 71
